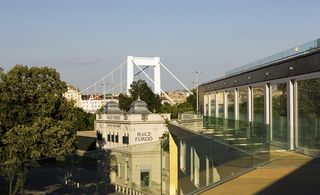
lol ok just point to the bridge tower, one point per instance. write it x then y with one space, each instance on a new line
146 62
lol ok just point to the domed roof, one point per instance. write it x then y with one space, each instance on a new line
112 108
139 107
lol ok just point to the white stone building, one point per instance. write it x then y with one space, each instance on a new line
73 94
94 103
133 138
116 128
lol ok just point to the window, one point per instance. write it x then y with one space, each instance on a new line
117 138
243 105
195 167
279 113
182 156
258 104
145 178
309 114
220 100
231 108
213 105
99 136
109 137
125 139
112 137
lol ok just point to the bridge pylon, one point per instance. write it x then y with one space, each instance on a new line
153 62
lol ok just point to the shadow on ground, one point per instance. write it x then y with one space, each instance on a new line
304 180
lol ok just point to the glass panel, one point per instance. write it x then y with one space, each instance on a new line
220 100
219 154
258 104
144 176
279 124
289 53
309 114
231 113
213 104
243 104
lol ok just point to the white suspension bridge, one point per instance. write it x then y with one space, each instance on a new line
116 82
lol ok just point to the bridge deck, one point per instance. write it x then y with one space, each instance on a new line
287 173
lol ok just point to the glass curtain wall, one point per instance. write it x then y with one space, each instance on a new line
279 125
243 111
258 104
213 104
220 100
243 104
309 114
231 108
220 118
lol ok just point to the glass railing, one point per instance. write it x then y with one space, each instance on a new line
289 53
219 149
137 169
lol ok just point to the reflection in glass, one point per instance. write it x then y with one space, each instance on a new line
309 114
243 104
279 124
213 105
231 108
258 104
220 100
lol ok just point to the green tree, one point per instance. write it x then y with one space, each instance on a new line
125 101
176 109
140 89
35 119
192 99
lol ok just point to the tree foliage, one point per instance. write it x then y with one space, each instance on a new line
192 99
36 121
140 89
176 109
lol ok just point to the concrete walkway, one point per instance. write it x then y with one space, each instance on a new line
288 173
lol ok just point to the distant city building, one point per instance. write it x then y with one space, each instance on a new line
92 103
178 96
73 94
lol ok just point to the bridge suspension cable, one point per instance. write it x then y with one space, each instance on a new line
142 64
102 79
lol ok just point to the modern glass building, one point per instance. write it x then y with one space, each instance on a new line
270 104
281 91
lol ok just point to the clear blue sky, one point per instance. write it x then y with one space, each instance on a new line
84 40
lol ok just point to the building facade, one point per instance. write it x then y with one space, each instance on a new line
73 94
116 128
133 138
281 91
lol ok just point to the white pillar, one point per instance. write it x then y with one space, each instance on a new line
217 105
236 105
129 72
209 105
250 104
292 87
225 104
267 103
205 102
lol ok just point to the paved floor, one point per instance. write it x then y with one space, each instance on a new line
288 173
